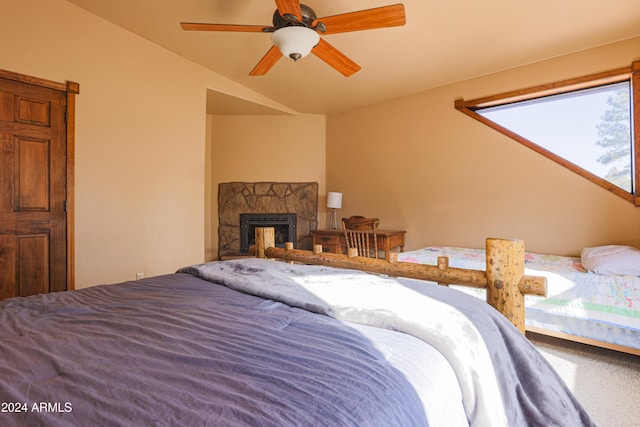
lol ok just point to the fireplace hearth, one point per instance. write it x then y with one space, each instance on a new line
283 223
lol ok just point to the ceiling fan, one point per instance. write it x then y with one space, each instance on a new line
296 32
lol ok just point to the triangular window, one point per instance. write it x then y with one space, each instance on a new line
586 125
590 128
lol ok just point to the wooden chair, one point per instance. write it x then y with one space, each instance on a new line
359 232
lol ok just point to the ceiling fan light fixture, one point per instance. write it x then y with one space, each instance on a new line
295 41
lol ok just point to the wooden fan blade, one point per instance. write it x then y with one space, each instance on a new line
379 17
289 7
194 26
267 61
335 58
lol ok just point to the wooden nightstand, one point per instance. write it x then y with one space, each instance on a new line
333 240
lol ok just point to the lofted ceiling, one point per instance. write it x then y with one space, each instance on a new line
443 41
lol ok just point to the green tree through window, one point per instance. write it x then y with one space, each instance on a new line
614 132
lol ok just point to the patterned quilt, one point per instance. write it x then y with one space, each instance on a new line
581 303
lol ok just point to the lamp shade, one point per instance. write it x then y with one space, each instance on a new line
295 42
334 200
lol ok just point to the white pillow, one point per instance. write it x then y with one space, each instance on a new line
612 259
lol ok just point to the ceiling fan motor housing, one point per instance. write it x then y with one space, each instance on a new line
308 16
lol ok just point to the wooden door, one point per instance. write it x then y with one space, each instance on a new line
33 180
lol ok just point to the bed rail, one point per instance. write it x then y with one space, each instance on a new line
503 279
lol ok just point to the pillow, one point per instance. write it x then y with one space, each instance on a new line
612 259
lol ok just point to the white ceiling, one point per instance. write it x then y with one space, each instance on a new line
444 41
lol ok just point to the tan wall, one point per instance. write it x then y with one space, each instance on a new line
140 145
266 148
141 199
450 180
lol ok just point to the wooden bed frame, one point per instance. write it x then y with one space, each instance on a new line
583 340
503 279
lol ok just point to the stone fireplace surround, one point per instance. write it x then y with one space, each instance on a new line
235 198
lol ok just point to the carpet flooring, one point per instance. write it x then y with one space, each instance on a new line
605 382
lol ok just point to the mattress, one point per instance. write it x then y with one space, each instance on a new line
597 307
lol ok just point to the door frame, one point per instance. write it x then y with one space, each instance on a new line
71 89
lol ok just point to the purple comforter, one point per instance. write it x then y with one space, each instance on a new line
179 351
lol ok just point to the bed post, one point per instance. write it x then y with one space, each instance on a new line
265 238
505 269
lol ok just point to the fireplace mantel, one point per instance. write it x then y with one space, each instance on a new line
235 198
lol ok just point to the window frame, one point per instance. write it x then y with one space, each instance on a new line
630 74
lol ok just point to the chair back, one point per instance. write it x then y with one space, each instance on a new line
360 233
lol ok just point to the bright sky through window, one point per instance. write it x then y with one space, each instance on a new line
576 126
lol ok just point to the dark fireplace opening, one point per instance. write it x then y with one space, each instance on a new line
283 223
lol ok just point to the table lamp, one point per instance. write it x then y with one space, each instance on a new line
334 201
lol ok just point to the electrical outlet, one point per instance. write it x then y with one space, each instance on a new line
139 276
